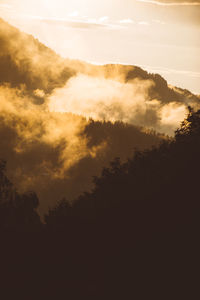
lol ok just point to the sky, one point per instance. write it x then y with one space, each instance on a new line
161 36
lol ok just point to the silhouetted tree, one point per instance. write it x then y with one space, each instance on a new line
141 220
17 211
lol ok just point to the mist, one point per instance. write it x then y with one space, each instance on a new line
99 164
40 146
113 100
62 121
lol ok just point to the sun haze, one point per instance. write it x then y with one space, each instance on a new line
160 36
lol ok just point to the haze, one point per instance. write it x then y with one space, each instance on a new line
161 37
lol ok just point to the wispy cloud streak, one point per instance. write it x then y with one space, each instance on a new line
163 3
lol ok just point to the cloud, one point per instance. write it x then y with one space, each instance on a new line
103 19
4 5
34 124
172 2
126 21
6 8
143 23
159 22
41 147
173 71
49 149
113 100
77 23
73 14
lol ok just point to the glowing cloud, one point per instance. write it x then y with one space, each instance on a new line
113 100
171 3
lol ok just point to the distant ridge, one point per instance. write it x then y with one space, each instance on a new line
24 60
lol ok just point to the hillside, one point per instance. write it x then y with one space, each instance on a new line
99 164
62 121
137 228
24 60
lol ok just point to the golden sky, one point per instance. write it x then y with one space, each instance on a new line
161 36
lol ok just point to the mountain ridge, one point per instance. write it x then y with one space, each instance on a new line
18 55
56 153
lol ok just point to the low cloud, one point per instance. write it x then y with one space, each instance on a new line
114 100
35 124
41 147
56 154
47 137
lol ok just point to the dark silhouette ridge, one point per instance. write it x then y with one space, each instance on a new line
17 211
135 235
141 221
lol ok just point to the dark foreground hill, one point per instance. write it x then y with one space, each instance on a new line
132 230
136 235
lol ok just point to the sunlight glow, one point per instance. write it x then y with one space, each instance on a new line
161 34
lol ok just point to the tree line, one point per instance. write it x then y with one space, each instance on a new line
135 235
